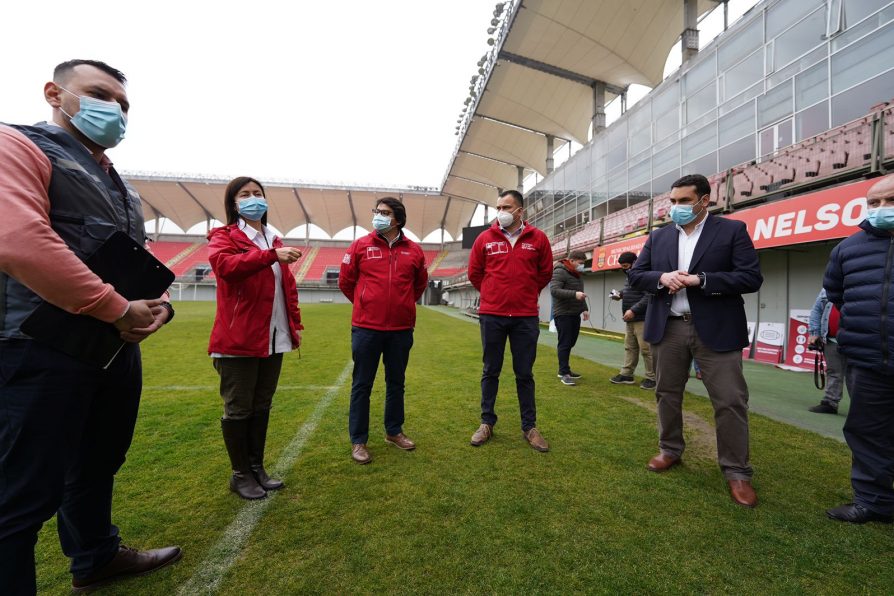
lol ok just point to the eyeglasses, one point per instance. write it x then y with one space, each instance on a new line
382 212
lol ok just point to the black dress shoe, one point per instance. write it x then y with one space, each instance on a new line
128 562
856 514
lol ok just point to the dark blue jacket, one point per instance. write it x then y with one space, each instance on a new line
726 255
860 282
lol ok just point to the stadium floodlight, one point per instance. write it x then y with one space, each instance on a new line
495 22
490 30
481 71
490 41
468 100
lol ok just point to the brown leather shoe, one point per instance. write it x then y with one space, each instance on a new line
536 440
662 461
742 493
401 441
128 562
482 435
360 453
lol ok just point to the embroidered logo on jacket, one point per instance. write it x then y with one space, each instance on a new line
373 252
528 246
346 259
497 248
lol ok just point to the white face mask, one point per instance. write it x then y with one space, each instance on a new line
579 267
505 218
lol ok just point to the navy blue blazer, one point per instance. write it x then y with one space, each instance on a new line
726 255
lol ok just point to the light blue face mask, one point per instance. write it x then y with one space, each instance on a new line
682 214
382 223
881 218
102 122
252 208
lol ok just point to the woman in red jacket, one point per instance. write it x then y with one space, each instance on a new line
257 321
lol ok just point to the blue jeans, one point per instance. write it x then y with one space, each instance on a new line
869 432
367 347
522 333
65 428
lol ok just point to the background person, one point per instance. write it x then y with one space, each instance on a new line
700 267
389 269
510 263
822 327
634 303
569 305
257 321
859 280
66 426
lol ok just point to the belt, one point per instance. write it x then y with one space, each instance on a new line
686 317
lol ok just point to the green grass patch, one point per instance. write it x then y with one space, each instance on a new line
450 518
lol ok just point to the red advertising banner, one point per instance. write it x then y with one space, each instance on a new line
823 215
798 355
768 344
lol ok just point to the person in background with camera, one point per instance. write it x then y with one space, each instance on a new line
569 304
257 321
822 331
633 306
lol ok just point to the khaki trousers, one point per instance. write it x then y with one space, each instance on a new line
723 378
633 345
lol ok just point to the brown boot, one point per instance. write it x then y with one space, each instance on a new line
536 440
742 493
257 439
401 441
662 461
482 435
243 482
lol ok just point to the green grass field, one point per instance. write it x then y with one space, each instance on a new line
450 518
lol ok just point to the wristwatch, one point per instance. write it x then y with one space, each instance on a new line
702 279
170 310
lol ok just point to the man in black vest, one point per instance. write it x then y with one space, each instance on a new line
65 425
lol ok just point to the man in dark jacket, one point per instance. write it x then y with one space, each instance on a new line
859 280
633 304
569 303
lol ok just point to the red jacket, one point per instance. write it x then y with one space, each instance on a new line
383 282
510 278
245 294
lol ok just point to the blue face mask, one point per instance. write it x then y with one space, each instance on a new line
682 214
252 208
382 223
102 122
881 218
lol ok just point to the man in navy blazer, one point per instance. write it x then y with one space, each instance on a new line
699 268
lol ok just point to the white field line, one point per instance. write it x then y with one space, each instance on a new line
221 556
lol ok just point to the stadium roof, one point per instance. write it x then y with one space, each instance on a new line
535 87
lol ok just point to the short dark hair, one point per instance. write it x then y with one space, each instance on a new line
400 212
701 184
233 188
61 72
516 196
577 256
627 257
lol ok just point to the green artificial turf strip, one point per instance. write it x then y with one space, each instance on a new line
451 518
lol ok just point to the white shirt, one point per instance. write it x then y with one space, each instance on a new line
685 248
280 338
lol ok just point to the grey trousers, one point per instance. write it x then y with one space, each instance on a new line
835 365
633 345
247 385
723 378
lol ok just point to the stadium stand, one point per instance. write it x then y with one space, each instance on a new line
325 259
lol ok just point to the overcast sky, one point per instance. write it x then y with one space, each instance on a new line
352 91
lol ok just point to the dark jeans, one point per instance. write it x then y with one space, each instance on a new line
65 428
568 327
367 347
247 385
522 333
869 432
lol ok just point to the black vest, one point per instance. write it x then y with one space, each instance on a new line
87 205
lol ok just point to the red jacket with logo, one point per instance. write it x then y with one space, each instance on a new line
245 294
383 282
510 278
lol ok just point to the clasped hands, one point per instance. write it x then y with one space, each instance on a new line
142 319
675 281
